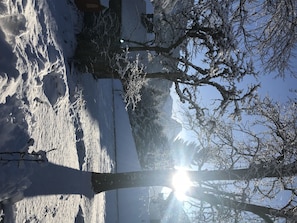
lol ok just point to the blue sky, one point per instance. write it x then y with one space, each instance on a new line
278 88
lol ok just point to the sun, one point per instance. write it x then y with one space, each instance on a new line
181 184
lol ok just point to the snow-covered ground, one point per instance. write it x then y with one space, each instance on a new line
67 114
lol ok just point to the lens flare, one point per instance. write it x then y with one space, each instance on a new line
181 183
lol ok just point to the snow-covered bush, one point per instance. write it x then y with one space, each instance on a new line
132 73
99 52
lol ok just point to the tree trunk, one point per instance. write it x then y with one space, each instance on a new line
110 181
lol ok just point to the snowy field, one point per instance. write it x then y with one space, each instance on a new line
44 99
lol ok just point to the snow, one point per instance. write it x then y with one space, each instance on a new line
72 119
42 99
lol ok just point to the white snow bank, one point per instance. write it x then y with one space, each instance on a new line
42 98
70 116
13 142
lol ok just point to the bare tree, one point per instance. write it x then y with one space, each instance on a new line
266 138
268 29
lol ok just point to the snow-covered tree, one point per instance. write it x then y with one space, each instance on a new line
202 43
266 138
197 30
267 29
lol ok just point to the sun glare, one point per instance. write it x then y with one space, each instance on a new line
181 183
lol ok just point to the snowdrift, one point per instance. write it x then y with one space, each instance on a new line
53 116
